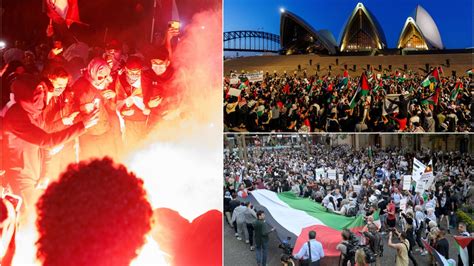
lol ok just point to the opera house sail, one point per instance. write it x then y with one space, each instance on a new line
298 37
420 32
362 32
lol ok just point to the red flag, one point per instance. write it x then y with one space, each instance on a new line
346 74
329 88
63 11
286 89
364 84
436 74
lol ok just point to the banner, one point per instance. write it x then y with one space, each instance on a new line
406 182
254 77
428 178
388 107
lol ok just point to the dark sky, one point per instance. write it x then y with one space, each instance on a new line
454 18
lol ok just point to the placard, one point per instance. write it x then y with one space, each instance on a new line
332 174
406 182
234 92
320 173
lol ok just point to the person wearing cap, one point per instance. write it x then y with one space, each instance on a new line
26 138
162 96
92 92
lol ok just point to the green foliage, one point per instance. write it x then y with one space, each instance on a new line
465 218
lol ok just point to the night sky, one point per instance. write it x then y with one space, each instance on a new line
454 18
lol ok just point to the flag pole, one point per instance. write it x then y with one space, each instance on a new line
153 22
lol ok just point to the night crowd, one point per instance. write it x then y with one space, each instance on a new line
60 105
371 182
301 102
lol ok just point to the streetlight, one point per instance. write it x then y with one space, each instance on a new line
282 10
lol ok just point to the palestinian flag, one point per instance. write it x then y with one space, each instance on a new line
432 77
457 88
294 217
462 245
470 71
378 86
362 90
434 99
63 11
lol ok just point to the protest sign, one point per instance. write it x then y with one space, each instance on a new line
234 92
332 174
406 182
320 173
418 169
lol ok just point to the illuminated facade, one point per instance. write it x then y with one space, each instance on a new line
361 32
420 32
297 36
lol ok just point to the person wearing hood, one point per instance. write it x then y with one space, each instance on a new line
91 92
131 88
26 139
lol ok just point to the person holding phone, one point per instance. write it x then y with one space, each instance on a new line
92 92
26 138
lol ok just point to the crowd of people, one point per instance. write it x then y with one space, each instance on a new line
326 103
65 104
370 181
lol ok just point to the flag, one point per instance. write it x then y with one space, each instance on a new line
286 89
329 88
294 217
462 244
378 86
457 88
63 11
362 90
432 77
440 259
470 71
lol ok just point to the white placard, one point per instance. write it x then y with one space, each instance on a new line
234 79
403 205
332 174
418 169
406 182
234 92
320 173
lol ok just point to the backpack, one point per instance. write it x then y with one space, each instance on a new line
351 248
370 256
351 211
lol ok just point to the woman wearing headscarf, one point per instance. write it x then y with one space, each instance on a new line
91 92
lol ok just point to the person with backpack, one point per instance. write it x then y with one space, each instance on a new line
311 252
375 243
402 248
348 248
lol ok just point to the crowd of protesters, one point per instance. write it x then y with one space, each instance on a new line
301 102
370 181
65 104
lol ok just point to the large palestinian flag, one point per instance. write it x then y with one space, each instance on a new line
294 217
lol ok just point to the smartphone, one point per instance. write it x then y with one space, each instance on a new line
174 24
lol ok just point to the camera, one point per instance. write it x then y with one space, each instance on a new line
286 246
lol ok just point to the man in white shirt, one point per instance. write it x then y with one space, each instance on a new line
313 249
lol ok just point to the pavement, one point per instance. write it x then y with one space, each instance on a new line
237 253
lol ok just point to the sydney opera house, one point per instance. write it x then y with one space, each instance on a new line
361 33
